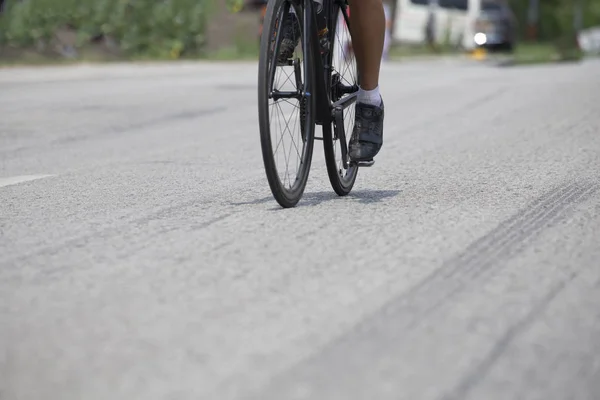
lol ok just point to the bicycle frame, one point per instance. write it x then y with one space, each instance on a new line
323 96
324 111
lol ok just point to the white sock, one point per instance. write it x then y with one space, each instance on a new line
371 97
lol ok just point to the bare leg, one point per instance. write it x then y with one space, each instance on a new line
367 29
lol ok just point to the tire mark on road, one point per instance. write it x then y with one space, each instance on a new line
502 243
406 311
482 369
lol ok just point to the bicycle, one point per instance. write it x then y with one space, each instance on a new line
324 98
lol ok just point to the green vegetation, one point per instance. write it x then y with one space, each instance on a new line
59 31
555 38
122 28
556 18
231 53
539 53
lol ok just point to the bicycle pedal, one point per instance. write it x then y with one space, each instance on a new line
365 164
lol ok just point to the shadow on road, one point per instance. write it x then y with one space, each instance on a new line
316 198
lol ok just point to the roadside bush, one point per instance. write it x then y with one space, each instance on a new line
556 17
159 28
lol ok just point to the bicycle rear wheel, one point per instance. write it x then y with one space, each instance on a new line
285 103
343 88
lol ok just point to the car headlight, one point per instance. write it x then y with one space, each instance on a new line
480 38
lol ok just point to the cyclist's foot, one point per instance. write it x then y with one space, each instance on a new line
367 135
291 38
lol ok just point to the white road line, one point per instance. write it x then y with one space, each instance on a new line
20 179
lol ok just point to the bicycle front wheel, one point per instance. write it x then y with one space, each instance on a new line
286 108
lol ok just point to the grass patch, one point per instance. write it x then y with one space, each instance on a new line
242 50
542 53
29 57
525 53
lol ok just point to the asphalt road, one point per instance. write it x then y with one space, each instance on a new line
143 257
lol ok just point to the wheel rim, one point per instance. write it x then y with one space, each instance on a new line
344 74
287 117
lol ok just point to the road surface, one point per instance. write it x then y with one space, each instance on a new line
143 257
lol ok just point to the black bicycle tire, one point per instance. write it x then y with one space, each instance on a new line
340 186
285 198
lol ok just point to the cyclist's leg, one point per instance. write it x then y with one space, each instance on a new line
291 33
291 36
367 28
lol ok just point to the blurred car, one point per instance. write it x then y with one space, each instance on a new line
496 26
589 40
